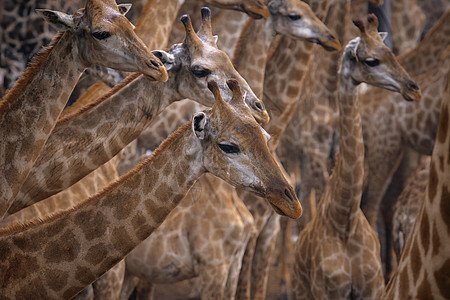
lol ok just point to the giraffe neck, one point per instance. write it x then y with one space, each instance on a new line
82 142
30 110
425 259
285 70
423 57
347 178
156 22
251 52
84 242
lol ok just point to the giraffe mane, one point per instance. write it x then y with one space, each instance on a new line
38 60
101 99
243 37
21 226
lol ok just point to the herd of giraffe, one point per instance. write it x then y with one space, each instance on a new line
109 197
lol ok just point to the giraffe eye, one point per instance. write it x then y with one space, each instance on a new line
294 17
229 148
372 62
200 72
101 35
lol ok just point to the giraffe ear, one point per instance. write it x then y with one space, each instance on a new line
199 125
59 20
383 35
167 59
216 38
124 8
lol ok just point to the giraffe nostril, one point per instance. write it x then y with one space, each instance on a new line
154 63
411 85
259 106
288 194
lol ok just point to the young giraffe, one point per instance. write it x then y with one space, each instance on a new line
92 35
423 270
80 143
87 240
337 254
408 206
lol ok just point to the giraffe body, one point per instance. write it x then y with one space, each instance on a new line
337 254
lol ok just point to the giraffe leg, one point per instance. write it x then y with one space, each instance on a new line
263 257
129 283
145 290
109 285
213 280
243 286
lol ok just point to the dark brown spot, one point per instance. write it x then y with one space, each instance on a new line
93 224
442 277
432 182
65 248
425 231
122 241
404 284
83 274
96 254
122 203
424 289
443 125
416 261
56 279
445 206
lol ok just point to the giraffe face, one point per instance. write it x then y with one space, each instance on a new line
103 34
235 149
370 61
295 19
198 60
254 8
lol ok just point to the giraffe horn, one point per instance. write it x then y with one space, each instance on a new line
373 23
233 85
360 24
191 37
214 88
205 31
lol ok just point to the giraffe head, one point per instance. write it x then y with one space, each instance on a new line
103 34
198 60
368 60
254 8
235 149
294 18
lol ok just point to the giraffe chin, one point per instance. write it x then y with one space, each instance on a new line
291 213
412 96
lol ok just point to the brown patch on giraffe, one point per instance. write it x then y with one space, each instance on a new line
57 251
442 277
424 289
121 205
83 272
415 260
26 245
167 169
30 294
96 253
96 223
57 279
432 182
138 220
159 212
435 240
121 240
445 206
71 292
425 231
443 124
144 231
404 285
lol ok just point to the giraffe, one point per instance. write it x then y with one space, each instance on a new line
85 241
92 35
78 145
211 250
337 254
408 205
423 268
